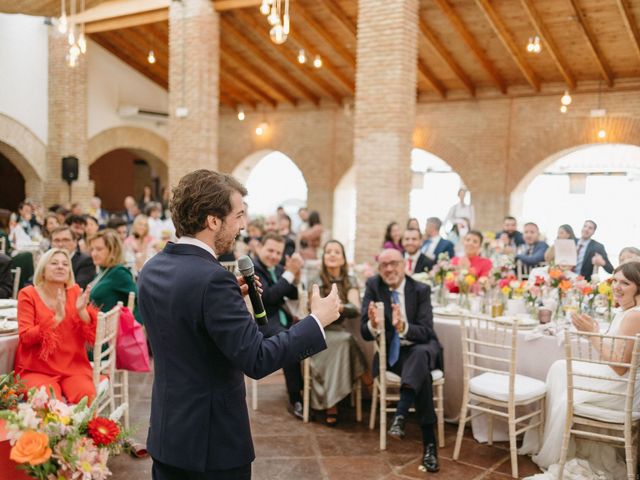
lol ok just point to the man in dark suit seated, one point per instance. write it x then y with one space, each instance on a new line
6 277
278 284
590 252
204 340
510 237
415 261
434 244
84 270
532 251
413 349
272 225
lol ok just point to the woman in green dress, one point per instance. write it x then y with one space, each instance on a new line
114 281
335 370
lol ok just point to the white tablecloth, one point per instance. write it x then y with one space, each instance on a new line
534 358
8 347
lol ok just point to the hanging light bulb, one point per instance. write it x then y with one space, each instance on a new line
566 98
72 56
265 7
74 51
537 46
317 61
262 128
241 115
530 45
62 21
82 43
273 18
151 58
563 109
71 39
285 17
277 34
602 133
302 56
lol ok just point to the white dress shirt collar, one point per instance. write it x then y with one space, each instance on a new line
197 243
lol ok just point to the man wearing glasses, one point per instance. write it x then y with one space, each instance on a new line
413 349
83 268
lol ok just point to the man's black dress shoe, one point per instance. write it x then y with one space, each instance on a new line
296 410
430 459
397 427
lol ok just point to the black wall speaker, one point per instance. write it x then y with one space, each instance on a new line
69 169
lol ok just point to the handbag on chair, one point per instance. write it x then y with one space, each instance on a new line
131 344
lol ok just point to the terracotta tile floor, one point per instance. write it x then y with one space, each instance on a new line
288 449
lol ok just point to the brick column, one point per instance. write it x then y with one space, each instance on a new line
67 124
384 117
194 51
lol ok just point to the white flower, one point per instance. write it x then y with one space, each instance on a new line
28 417
39 399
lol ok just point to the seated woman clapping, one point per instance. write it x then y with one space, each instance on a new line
55 324
335 370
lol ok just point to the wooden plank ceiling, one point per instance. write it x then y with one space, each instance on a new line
467 48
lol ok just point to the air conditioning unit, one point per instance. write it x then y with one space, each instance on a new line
132 111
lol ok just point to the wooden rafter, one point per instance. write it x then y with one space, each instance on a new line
250 72
248 20
446 57
143 42
428 77
224 5
230 89
114 9
127 21
472 44
271 66
226 100
244 84
592 43
632 28
505 37
339 16
549 44
312 23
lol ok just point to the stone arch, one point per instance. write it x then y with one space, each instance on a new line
26 152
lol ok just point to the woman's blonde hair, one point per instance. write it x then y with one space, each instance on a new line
45 259
115 255
138 221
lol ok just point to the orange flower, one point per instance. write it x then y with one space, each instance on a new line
555 273
565 285
32 448
587 290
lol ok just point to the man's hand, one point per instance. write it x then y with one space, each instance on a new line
244 288
598 260
396 318
373 315
294 264
327 309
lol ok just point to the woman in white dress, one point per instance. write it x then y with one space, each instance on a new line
597 460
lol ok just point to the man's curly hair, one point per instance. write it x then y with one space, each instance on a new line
199 194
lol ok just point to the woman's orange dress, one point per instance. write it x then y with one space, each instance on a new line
55 356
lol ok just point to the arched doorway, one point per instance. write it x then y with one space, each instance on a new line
272 180
122 172
597 182
435 187
12 190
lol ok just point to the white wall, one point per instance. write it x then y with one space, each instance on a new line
113 83
24 71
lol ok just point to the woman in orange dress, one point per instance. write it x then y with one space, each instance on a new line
55 323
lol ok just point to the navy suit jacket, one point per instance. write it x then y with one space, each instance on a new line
83 269
444 245
537 255
273 297
587 267
204 341
417 300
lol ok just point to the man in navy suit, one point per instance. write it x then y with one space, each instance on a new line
434 244
415 261
531 253
279 284
590 252
413 349
204 339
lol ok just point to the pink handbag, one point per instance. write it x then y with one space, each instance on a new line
131 344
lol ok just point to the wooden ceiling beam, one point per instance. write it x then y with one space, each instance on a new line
630 24
312 23
427 76
446 57
118 8
505 37
245 83
142 43
249 21
340 17
224 5
472 44
225 100
250 72
592 43
549 44
230 89
272 66
127 21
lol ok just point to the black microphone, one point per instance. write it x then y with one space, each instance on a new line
245 265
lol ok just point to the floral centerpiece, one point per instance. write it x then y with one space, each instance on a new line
439 274
55 441
605 292
11 389
586 293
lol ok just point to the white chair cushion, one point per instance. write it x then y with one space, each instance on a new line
393 378
600 413
496 386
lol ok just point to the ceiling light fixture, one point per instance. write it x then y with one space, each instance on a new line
602 133
563 109
151 58
317 61
566 98
534 45
262 128
278 18
241 114
302 56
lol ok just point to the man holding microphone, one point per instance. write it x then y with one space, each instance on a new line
204 339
